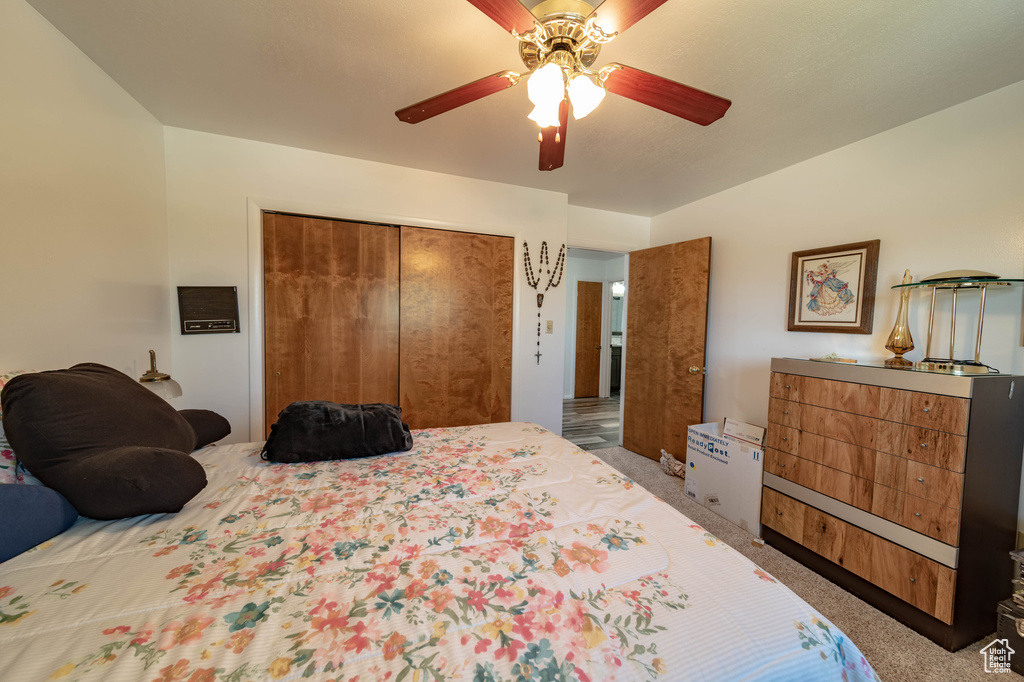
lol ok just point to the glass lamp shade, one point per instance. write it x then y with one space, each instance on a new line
160 383
546 89
585 95
166 389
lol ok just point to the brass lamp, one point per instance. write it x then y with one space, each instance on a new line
158 382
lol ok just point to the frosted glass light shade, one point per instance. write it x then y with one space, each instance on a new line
166 389
545 116
546 89
160 383
585 95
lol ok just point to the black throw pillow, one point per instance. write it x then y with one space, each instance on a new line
317 430
209 426
31 514
108 444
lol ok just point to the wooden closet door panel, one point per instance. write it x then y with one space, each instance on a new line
284 312
588 339
456 330
319 347
665 337
331 311
365 316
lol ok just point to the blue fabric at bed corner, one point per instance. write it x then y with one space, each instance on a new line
30 515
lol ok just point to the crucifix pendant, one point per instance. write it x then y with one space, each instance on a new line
538 354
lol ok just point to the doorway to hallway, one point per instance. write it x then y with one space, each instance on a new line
591 423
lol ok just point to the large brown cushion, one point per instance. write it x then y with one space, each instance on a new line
209 426
109 445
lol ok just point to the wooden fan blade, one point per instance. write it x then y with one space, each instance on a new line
615 16
661 93
552 145
470 92
509 14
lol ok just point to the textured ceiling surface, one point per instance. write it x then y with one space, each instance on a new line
805 77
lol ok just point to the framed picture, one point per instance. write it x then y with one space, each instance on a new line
833 289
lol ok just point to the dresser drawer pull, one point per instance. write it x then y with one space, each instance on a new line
780 513
783 466
917 514
787 385
924 445
786 412
920 480
785 438
913 580
926 409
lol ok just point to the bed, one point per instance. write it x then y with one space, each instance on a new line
494 552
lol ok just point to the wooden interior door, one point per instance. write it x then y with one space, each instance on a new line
588 339
331 296
666 331
456 329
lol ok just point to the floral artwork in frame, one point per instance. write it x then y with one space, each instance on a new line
832 289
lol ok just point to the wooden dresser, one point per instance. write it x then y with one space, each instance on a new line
899 486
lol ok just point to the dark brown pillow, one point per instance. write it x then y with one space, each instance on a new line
109 445
209 426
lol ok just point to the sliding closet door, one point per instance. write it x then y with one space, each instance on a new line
456 330
331 295
666 332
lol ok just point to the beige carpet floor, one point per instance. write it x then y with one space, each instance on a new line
894 650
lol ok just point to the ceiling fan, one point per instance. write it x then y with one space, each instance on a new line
558 42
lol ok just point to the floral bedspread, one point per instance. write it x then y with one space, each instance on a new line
496 552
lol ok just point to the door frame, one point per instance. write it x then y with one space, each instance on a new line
255 206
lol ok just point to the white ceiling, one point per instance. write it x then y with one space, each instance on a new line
805 77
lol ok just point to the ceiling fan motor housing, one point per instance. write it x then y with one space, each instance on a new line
565 22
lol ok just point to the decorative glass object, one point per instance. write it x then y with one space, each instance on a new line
900 341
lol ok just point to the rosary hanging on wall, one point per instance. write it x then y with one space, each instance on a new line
543 267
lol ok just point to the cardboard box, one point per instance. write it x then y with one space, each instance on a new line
724 475
748 433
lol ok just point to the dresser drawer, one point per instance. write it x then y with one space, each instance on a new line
936 448
783 514
930 411
836 454
838 395
913 578
844 426
844 487
923 516
935 484
923 445
909 576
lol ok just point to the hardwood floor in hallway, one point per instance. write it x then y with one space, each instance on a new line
591 423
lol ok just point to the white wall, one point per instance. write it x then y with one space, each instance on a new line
211 181
83 234
943 192
591 228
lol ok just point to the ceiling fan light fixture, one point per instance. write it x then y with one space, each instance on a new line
546 89
545 115
584 94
